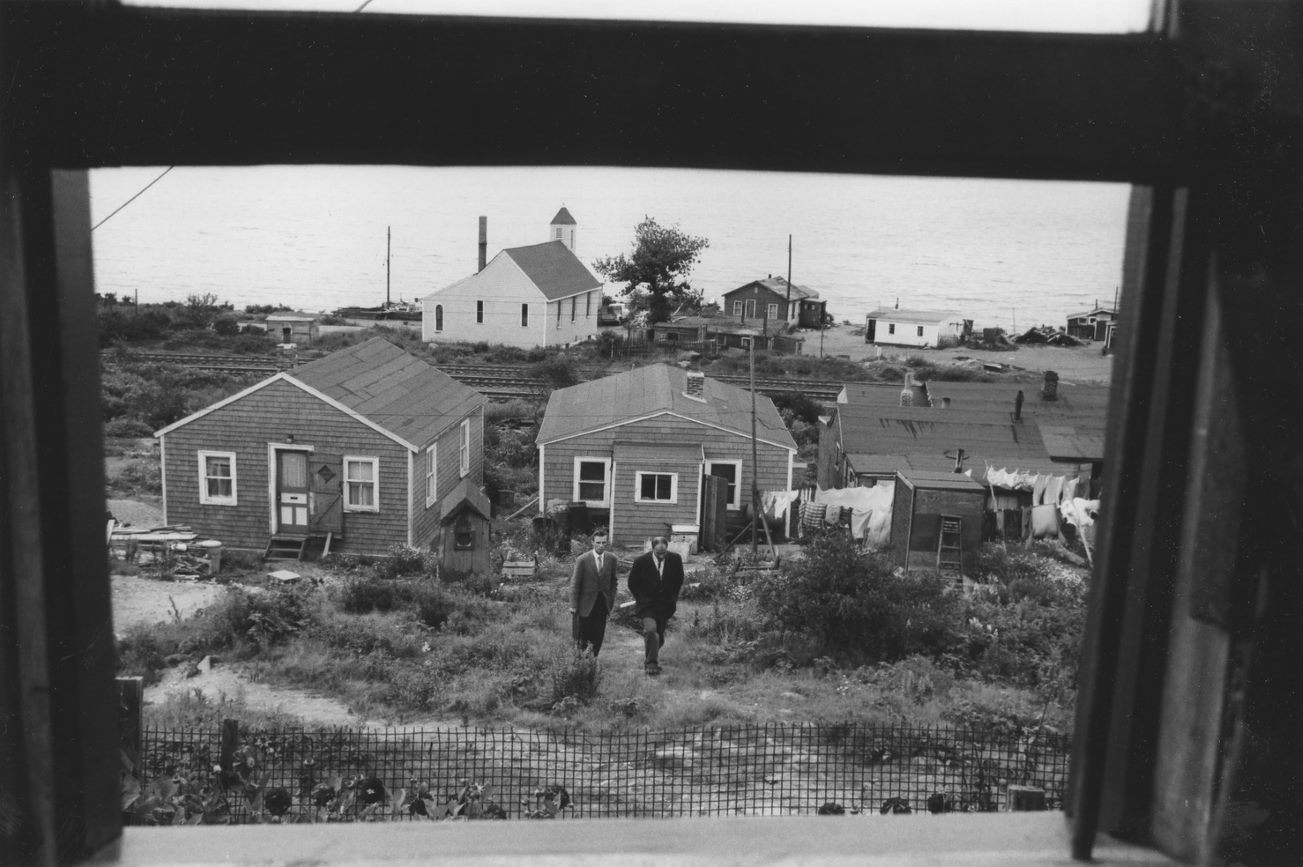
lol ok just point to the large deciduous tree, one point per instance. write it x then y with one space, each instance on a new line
661 260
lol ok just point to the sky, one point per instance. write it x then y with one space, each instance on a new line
1081 16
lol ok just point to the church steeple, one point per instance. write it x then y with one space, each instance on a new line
563 228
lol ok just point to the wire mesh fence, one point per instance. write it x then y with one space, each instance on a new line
772 769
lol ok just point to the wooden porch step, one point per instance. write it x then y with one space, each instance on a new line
285 548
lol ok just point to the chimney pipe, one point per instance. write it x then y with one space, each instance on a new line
484 243
1017 406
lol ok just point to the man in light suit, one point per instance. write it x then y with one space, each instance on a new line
655 581
592 594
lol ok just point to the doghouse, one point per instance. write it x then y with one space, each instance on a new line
464 531
936 521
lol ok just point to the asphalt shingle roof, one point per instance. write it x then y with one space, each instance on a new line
553 268
654 389
563 218
891 314
779 285
395 390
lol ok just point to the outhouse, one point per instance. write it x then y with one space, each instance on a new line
936 521
464 531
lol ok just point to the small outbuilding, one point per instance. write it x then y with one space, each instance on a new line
922 328
463 540
936 521
297 328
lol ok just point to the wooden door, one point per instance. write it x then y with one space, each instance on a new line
327 500
871 332
291 491
714 513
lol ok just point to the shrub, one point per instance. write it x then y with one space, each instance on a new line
850 603
264 618
364 595
575 676
434 605
401 560
127 427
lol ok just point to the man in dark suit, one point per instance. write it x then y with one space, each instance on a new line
592 594
655 581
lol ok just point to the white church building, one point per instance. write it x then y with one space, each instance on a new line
539 295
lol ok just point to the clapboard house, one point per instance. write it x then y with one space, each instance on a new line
638 447
357 450
776 300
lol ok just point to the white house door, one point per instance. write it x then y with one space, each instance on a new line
292 491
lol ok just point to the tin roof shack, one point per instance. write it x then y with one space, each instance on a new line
358 449
922 328
633 448
775 300
297 328
1092 324
923 500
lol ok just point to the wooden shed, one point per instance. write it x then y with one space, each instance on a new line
936 521
297 328
464 530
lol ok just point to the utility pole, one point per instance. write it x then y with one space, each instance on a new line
755 490
388 237
788 310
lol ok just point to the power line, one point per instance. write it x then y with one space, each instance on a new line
140 193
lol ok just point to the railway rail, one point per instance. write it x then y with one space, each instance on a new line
495 381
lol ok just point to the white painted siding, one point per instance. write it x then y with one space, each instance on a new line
503 287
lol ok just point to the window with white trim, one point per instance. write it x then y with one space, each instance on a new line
751 308
438 317
558 314
479 312
217 478
361 484
737 308
588 305
431 475
772 311
592 481
657 488
574 305
464 456
920 331
731 470
891 328
524 316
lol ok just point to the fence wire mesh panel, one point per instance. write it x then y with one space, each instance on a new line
774 769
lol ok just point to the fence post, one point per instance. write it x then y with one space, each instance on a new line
131 694
230 743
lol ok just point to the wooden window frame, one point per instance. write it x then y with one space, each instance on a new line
438 318
671 500
431 474
207 499
479 312
93 84
735 501
737 307
524 315
603 503
374 481
464 449
772 310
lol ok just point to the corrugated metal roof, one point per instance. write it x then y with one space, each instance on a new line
554 269
891 314
395 390
653 389
925 434
651 452
1083 406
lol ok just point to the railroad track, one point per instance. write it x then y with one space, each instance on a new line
495 381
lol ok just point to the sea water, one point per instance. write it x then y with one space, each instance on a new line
1003 253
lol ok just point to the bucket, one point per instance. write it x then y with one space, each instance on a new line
213 549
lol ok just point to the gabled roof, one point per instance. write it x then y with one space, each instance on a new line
397 391
778 285
467 493
655 390
563 218
922 435
553 268
891 314
1111 311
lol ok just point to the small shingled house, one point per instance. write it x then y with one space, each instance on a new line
361 449
634 448
921 328
771 299
538 295
292 327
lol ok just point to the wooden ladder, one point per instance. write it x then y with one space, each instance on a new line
950 545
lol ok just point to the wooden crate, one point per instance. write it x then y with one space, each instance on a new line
519 568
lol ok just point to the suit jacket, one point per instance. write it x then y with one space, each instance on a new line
589 579
656 594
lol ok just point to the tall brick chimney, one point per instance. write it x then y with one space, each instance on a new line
484 243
